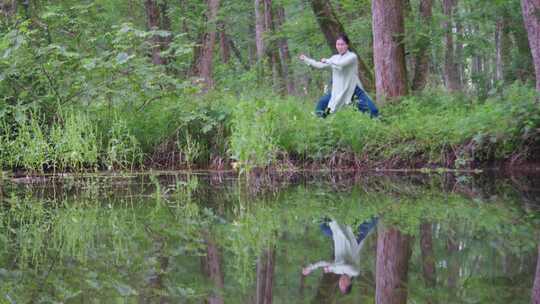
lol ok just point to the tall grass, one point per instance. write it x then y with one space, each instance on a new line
426 128
257 130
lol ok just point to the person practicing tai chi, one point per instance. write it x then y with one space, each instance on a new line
347 248
345 81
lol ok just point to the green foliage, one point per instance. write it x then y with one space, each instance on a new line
75 142
123 149
423 128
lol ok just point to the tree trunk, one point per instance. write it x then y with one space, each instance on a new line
498 51
393 254
422 57
428 258
458 56
389 51
451 75
503 44
165 25
531 17
211 264
8 8
265 276
536 287
524 71
153 23
453 263
332 28
259 30
284 54
272 49
237 53
224 44
207 50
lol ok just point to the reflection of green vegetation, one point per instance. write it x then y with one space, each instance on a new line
72 248
112 250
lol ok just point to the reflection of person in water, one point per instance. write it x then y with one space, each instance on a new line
346 252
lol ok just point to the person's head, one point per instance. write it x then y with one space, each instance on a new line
345 284
342 44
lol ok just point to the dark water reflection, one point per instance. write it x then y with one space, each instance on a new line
177 238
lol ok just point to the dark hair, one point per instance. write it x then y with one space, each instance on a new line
344 38
349 288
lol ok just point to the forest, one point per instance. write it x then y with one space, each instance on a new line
161 151
125 85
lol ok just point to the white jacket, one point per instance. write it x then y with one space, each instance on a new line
344 77
346 252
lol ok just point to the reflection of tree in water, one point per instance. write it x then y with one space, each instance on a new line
265 275
472 236
393 254
211 266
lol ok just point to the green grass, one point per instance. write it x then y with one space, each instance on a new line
259 130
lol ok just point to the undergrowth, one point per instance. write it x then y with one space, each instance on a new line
260 130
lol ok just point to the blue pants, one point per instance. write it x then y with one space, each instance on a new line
364 103
363 229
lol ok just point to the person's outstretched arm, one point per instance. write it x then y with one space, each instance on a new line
308 269
314 63
340 62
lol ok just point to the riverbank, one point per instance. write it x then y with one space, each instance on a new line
220 131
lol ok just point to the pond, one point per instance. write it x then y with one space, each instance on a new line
218 238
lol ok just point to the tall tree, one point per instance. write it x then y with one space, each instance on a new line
451 71
224 43
205 64
153 22
536 287
284 54
422 57
531 17
332 28
524 67
259 29
388 49
393 254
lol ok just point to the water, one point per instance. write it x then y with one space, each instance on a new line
196 238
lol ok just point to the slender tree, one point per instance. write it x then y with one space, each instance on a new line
153 23
503 46
451 71
224 44
531 17
259 29
388 49
284 54
536 286
205 64
422 57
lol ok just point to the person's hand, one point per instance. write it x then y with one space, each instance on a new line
306 271
326 269
324 60
302 57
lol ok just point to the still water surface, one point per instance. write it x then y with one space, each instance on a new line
199 238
